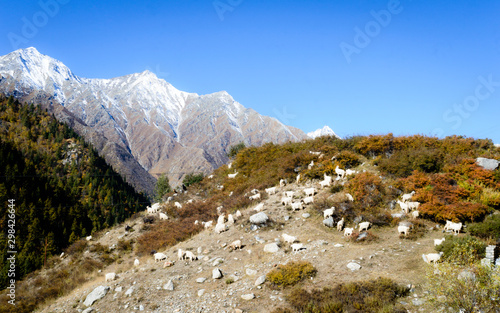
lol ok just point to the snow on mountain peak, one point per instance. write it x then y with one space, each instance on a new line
325 131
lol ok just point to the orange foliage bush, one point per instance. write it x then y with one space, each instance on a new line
366 188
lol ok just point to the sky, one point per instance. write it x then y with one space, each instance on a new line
361 67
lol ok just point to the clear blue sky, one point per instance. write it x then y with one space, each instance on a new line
361 67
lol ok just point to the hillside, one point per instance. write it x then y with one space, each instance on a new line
448 184
60 187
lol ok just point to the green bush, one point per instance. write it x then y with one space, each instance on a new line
489 228
402 163
192 178
462 250
233 150
290 273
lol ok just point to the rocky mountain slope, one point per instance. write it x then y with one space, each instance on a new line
142 125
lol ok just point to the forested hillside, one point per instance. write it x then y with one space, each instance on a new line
62 189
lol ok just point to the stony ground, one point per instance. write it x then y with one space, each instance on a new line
145 287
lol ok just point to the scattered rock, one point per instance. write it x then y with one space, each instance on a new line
201 292
119 289
328 222
259 218
306 215
488 164
88 310
248 296
129 291
96 294
201 280
362 236
271 247
251 272
353 266
260 280
216 273
338 245
169 285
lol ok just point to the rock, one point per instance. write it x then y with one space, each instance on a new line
88 310
218 261
169 285
251 272
238 311
96 294
353 266
248 296
338 245
216 273
200 280
287 217
254 227
259 240
129 291
328 222
271 247
260 280
488 164
306 215
362 236
141 307
259 218
201 292
119 289
397 215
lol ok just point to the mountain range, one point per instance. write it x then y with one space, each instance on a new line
141 124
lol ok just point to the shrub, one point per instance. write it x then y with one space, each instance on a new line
462 250
233 150
192 178
290 274
489 228
402 163
367 189
358 237
347 159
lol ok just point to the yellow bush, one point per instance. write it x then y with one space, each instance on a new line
290 273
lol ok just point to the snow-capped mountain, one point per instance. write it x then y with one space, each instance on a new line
325 131
140 123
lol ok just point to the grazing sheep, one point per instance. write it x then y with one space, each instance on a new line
289 239
254 191
219 228
163 216
413 205
282 182
328 212
178 205
221 219
190 201
349 197
404 206
88 238
297 205
232 175
455 227
324 183
286 200
297 179
340 172
254 197
230 219
348 231
437 242
181 254
237 214
210 176
208 224
220 187
349 172
288 194
159 256
235 245
364 226
407 196
415 214
402 229
110 276
432 257
340 224
310 191
190 256
308 200
271 190
297 246
310 165
315 153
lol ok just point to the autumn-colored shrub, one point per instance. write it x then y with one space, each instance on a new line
347 159
290 273
402 163
462 250
460 211
363 237
367 189
417 231
374 145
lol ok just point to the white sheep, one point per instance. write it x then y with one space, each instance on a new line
178 205
297 246
314 152
415 214
455 227
254 191
310 165
220 187
340 172
349 197
181 254
232 175
286 200
230 165
328 212
255 197
324 183
432 257
208 224
159 256
235 245
437 242
404 206
289 239
349 172
288 194
88 238
308 200
413 205
163 216
348 231
364 226
190 256
219 209
110 276
403 229
221 219
136 262
297 179
237 214
340 224
190 201
297 205
271 190
230 219
219 228
170 199
407 196
210 176
282 182
310 191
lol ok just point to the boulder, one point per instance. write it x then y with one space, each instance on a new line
260 280
96 294
271 247
201 292
488 164
259 218
216 273
329 222
353 266
200 280
88 310
169 285
248 296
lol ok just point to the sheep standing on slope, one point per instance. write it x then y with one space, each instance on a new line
364 226
407 196
181 254
340 172
288 194
159 256
349 172
110 276
221 219
259 207
232 175
340 224
348 231
190 256
178 205
219 228
403 229
310 191
286 200
255 197
163 216
289 239
437 242
235 245
328 212
297 205
282 182
404 206
432 257
297 247
271 190
308 200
